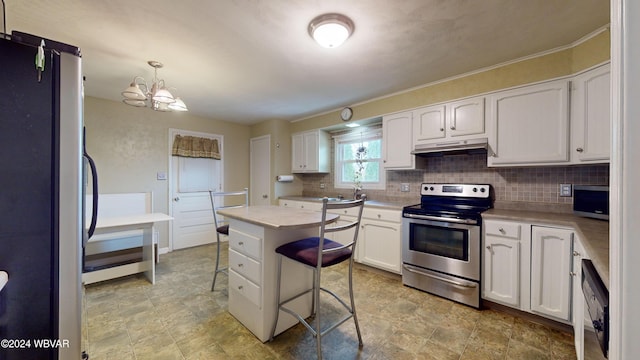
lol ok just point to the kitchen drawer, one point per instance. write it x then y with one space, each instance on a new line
245 244
306 205
382 214
350 211
245 266
246 288
503 229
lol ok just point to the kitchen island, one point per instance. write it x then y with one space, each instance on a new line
254 234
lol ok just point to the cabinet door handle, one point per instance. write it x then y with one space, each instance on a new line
579 150
441 129
241 243
489 247
572 273
240 287
240 265
453 128
575 253
502 231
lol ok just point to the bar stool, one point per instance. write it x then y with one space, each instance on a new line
316 254
221 226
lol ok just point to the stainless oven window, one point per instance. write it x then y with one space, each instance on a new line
441 241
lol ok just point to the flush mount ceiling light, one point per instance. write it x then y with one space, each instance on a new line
331 30
160 98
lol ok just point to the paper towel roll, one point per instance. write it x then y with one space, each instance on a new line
285 178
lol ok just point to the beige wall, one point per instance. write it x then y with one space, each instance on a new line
130 145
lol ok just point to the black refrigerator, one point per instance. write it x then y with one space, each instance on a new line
41 200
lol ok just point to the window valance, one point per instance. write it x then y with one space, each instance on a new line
196 147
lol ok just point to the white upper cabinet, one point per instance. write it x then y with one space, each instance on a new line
429 124
590 117
454 120
396 141
530 125
466 117
310 152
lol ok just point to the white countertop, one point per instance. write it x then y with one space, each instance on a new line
277 217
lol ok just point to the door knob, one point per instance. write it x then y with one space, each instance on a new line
177 198
579 150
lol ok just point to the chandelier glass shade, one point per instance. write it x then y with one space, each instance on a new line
331 30
160 98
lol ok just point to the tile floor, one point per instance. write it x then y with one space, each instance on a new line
180 318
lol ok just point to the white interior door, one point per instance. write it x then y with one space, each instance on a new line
260 168
191 179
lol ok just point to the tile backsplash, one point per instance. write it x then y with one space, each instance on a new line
523 187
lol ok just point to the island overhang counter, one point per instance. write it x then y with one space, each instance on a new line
254 234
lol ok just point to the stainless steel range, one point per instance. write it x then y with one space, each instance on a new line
441 241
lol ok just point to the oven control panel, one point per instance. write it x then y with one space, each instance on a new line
459 190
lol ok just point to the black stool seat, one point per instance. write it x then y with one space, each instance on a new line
306 251
224 229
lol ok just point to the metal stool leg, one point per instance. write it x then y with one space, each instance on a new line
316 299
353 304
215 273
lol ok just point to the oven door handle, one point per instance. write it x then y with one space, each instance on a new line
438 218
457 283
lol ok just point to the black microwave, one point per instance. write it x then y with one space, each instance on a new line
591 201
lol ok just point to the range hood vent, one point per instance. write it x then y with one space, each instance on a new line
472 146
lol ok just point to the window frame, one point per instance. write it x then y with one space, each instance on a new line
356 137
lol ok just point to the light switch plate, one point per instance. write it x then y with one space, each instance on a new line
565 190
161 175
404 187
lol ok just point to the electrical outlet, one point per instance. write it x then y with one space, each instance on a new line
404 187
321 185
565 190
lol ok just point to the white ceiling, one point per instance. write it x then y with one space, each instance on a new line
252 60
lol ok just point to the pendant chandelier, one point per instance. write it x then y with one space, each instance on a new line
160 99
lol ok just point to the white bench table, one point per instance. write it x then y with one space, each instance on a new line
124 222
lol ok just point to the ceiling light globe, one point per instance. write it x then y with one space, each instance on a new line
330 35
331 30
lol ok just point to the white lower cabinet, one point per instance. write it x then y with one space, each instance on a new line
528 267
551 267
379 244
578 304
503 243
